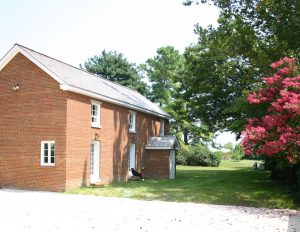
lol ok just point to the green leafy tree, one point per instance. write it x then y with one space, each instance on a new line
166 73
228 61
236 151
115 67
270 18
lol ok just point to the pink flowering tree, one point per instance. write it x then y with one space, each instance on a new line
277 132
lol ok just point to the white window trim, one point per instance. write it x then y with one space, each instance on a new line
132 130
98 123
162 128
49 153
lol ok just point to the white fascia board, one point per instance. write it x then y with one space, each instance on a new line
8 56
17 49
107 99
159 148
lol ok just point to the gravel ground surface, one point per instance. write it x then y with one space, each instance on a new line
45 211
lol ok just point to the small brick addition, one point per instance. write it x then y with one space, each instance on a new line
157 164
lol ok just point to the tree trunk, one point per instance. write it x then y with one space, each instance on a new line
185 136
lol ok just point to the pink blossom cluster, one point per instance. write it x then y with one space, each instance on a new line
288 101
262 95
278 131
285 60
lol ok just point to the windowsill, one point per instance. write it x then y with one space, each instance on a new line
131 131
48 165
96 127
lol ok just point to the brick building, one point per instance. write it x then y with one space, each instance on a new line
62 128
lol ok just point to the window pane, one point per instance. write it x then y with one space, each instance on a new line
95 114
132 121
45 153
52 153
96 110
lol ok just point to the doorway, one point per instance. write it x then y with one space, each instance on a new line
95 162
132 156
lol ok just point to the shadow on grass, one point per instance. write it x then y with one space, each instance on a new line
241 186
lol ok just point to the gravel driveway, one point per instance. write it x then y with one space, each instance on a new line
45 211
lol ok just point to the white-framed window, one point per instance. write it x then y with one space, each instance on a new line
132 121
48 153
95 113
162 128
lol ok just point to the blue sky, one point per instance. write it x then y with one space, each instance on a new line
72 30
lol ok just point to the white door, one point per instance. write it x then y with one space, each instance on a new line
95 162
132 156
172 164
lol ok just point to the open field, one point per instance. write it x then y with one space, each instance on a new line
233 183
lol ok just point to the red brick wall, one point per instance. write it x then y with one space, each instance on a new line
157 164
41 111
114 136
34 113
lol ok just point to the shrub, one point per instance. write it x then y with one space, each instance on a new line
198 155
181 156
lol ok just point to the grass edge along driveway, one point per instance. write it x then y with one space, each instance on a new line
233 183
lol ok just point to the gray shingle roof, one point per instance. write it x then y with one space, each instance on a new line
77 80
164 142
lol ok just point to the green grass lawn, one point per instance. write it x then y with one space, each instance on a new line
233 183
